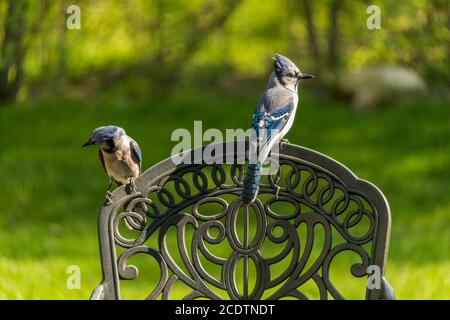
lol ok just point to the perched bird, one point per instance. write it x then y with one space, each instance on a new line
272 119
119 155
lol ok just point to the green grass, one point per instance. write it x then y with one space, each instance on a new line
51 189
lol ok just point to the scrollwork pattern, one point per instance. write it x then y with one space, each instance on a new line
319 202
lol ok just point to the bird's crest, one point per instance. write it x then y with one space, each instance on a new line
104 133
283 65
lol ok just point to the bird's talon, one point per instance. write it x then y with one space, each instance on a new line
283 142
108 200
132 186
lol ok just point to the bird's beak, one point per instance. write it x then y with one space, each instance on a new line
304 76
89 143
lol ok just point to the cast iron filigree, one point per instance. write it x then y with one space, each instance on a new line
213 230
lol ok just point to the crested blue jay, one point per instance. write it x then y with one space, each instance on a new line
119 155
272 119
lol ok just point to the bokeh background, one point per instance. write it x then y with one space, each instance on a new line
380 104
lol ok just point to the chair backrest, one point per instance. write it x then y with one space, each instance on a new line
313 227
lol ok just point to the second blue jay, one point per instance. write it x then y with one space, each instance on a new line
119 155
272 119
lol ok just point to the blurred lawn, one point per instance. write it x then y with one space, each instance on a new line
51 189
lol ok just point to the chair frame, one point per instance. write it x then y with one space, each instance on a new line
319 166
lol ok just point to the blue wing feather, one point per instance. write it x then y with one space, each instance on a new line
270 117
271 121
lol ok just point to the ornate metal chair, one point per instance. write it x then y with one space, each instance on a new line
189 223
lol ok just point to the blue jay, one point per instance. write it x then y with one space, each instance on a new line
119 155
272 119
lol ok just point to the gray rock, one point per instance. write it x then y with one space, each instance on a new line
370 87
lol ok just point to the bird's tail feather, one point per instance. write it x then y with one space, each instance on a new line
251 182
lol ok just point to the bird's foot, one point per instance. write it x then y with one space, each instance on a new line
283 142
108 200
132 186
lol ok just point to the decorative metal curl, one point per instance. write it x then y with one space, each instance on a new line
316 199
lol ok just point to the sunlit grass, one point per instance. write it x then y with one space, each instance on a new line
51 189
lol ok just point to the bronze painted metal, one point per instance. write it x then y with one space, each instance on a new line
322 211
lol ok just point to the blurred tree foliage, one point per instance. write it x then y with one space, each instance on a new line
12 49
173 42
